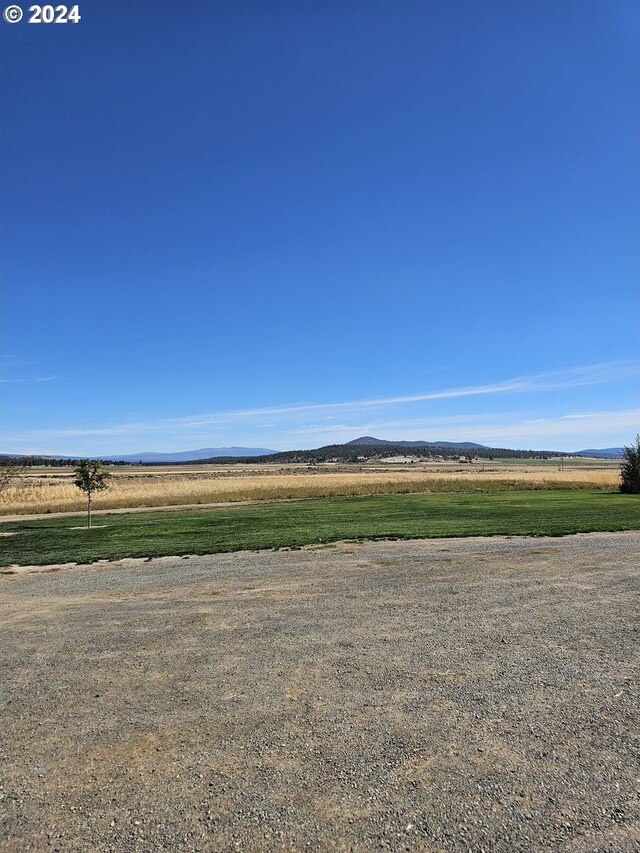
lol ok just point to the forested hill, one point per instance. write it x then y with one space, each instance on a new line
329 453
369 439
361 452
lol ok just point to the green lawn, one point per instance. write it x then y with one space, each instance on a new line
551 513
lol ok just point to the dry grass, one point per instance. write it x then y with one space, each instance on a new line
51 490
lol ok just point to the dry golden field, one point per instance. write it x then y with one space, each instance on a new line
52 490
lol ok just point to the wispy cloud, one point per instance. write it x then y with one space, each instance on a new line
595 374
483 428
12 363
35 379
565 426
311 419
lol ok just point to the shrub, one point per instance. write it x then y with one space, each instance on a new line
630 469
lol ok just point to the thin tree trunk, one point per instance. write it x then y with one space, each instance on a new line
88 509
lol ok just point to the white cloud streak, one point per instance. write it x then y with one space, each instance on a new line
20 381
475 425
485 428
590 375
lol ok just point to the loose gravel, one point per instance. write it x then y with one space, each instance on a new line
433 695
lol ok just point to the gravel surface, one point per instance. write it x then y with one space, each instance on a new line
432 695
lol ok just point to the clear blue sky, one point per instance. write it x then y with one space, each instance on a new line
283 224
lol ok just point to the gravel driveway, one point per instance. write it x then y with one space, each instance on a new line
435 695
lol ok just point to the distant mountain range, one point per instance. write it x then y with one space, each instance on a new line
607 453
191 455
367 446
178 456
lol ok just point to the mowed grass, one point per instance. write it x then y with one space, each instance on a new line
551 513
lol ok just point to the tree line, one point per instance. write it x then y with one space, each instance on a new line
7 461
328 453
362 452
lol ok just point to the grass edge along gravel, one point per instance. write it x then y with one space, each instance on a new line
319 520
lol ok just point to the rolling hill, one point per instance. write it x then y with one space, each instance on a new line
150 457
369 440
358 450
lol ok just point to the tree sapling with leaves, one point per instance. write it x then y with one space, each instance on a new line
90 477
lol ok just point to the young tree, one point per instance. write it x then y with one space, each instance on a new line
90 477
630 469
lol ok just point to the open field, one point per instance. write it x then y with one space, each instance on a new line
298 523
52 490
444 695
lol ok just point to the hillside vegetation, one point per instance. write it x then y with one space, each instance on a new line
345 453
361 452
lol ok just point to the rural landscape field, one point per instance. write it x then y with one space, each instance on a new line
46 490
399 654
320 439
149 511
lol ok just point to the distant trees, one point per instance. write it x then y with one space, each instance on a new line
355 452
91 476
329 453
48 461
630 469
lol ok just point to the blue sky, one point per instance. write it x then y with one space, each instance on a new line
286 224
